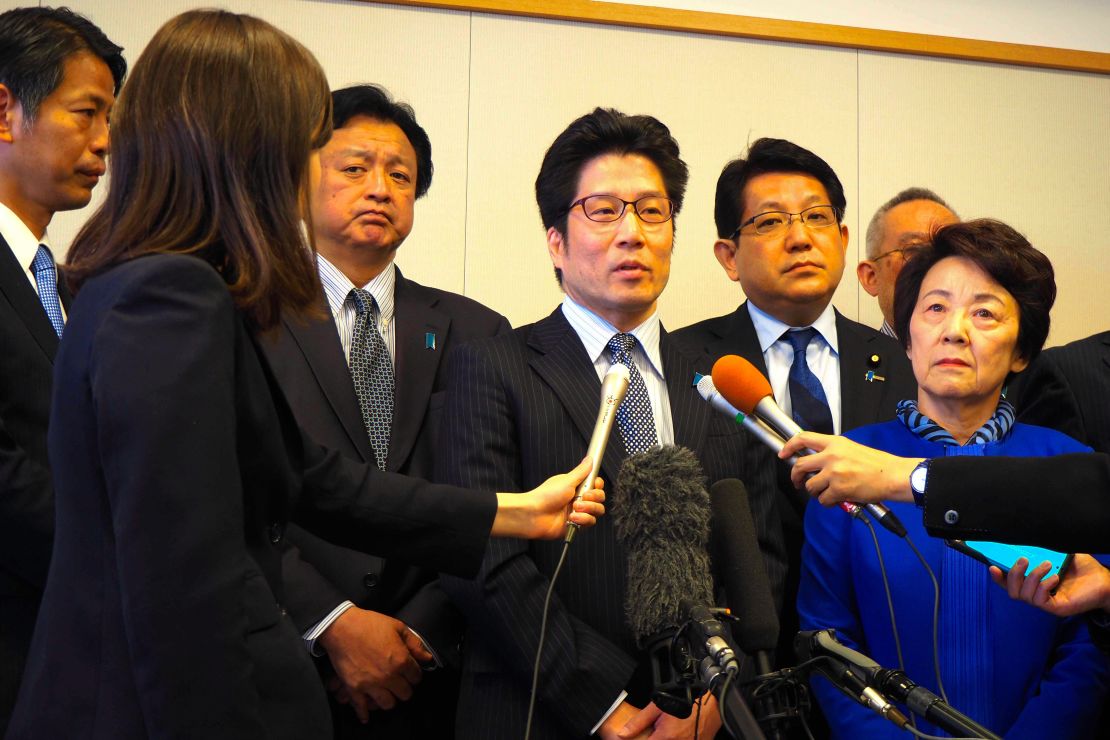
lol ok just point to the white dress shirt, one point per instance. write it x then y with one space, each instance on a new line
822 355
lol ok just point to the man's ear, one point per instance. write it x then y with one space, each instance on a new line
725 252
868 277
556 247
11 114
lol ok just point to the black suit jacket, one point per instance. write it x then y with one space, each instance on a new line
861 402
307 358
1066 388
519 409
26 498
176 465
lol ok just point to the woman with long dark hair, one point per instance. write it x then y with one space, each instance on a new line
176 460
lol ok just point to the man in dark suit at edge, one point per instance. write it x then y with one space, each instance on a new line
780 234
59 75
367 381
519 406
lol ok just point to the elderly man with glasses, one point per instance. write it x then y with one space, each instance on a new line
780 235
900 228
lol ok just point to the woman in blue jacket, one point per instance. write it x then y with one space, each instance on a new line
971 312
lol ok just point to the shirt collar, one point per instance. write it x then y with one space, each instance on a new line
22 242
595 333
338 286
769 329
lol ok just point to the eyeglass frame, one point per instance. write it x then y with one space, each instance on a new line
837 215
915 248
624 207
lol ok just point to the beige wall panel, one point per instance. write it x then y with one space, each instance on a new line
1029 147
531 78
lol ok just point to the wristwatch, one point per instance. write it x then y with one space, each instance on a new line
917 482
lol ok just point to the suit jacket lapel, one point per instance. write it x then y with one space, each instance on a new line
860 399
15 286
688 410
322 350
561 361
416 365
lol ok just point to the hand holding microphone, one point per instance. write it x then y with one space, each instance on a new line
839 469
743 386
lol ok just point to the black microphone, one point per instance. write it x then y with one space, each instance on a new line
848 670
660 512
925 703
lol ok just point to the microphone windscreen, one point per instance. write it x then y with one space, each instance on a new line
660 512
740 382
740 567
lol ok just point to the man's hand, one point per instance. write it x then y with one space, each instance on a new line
1084 587
543 512
375 659
614 724
846 471
652 722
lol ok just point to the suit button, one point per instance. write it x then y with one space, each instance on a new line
276 533
370 580
951 516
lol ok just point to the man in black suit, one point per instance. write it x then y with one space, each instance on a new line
377 622
1066 389
780 235
523 405
58 78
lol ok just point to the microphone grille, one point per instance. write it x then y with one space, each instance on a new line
740 382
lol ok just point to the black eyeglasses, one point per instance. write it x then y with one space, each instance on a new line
774 222
908 252
652 209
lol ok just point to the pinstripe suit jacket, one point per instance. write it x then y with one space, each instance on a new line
521 408
1066 387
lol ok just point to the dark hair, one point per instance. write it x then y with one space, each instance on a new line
604 131
374 102
216 170
1002 253
875 227
764 156
35 44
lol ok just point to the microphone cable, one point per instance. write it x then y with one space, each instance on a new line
543 635
936 617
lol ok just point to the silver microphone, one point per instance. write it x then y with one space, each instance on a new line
613 387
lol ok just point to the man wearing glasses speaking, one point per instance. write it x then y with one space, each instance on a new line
519 405
780 235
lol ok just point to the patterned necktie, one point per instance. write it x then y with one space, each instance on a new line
372 373
46 278
634 417
808 403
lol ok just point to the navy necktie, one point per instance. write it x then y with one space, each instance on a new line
808 403
46 278
634 417
372 373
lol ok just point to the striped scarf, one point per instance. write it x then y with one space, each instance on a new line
993 430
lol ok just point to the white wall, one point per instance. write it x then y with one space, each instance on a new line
1027 146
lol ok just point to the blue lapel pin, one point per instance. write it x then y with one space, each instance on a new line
871 377
697 379
429 340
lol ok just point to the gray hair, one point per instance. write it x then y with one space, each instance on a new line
875 228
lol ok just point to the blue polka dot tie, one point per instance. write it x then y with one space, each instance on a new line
808 403
372 373
46 278
634 417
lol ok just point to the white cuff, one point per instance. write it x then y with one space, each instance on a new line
617 703
319 628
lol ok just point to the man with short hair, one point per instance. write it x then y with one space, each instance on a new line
59 75
901 226
523 405
366 381
779 215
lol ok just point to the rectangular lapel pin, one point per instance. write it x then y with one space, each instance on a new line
871 377
429 340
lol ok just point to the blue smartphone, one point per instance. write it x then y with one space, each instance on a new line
1004 556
